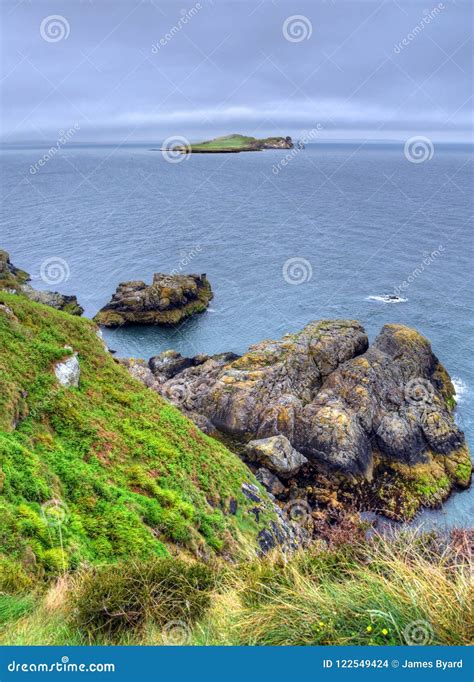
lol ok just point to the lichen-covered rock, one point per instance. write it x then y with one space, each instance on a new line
10 276
284 532
168 300
169 363
356 413
68 371
54 299
15 280
385 399
277 454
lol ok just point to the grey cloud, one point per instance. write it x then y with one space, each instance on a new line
137 70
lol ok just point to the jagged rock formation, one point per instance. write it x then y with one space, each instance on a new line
168 300
14 280
10 276
356 414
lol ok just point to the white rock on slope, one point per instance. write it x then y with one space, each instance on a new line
68 371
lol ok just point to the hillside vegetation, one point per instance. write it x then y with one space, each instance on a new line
410 589
238 143
105 471
122 523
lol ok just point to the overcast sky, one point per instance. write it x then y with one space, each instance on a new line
125 70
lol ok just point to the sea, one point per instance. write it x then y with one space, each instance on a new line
376 232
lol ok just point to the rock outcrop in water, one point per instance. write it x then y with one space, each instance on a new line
374 423
168 300
16 281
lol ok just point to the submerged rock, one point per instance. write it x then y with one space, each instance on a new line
168 300
358 415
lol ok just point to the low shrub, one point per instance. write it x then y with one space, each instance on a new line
111 599
13 578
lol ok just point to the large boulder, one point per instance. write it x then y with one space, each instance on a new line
277 454
364 414
168 300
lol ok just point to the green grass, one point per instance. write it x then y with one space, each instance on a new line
234 142
105 471
363 592
108 495
372 592
225 142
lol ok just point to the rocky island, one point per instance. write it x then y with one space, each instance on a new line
323 417
235 143
168 300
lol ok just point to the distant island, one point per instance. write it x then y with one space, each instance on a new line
233 144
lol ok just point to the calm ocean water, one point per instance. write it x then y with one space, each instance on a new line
361 220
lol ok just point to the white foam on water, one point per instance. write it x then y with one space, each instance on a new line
387 298
461 389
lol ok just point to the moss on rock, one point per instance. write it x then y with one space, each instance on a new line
401 489
167 301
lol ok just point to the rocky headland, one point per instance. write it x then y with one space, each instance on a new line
168 300
326 420
14 280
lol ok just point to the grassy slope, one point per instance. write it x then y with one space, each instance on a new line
128 472
225 142
228 142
